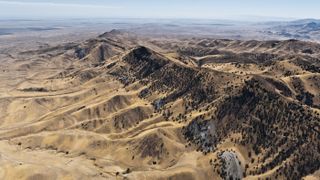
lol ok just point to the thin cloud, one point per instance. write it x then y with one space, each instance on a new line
20 3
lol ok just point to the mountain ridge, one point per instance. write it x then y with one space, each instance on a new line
125 106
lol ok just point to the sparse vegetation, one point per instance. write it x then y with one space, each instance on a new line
236 108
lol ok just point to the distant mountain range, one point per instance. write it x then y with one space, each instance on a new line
305 25
260 29
299 29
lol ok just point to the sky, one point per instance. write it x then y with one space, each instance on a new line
186 9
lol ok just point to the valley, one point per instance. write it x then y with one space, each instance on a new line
125 106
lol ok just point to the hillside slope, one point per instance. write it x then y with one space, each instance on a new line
121 106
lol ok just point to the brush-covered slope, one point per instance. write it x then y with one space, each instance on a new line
121 106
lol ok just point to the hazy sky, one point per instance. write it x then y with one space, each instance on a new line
208 9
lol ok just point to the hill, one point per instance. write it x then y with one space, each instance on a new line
124 106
